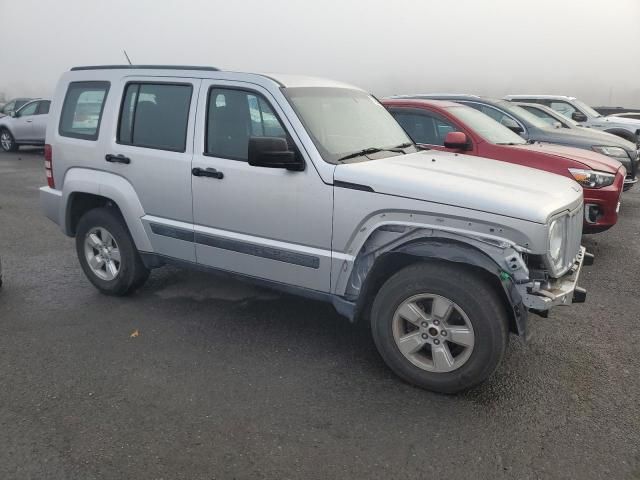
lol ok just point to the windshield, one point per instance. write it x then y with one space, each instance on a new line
343 121
486 127
524 115
549 115
586 109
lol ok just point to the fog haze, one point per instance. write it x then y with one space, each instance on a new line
585 48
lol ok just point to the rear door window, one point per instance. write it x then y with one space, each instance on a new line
82 110
43 108
155 115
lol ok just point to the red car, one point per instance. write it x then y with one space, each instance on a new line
457 128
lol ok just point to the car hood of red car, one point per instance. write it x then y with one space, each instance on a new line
593 160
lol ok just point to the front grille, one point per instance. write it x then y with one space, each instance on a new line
574 235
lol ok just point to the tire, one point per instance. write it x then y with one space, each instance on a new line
108 226
477 318
7 142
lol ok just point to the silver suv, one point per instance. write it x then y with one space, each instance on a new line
577 110
24 126
310 186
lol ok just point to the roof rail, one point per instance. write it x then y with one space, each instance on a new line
145 67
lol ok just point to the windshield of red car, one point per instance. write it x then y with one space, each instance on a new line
485 126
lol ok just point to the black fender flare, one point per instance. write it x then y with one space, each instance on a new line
444 249
622 133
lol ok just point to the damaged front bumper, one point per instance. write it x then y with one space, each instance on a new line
542 296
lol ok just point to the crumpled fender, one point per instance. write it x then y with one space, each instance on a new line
455 251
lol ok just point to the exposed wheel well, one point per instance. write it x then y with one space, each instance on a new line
80 203
391 263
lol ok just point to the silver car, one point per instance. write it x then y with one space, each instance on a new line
583 114
25 126
310 186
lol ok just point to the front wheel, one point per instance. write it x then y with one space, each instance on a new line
439 326
7 142
107 253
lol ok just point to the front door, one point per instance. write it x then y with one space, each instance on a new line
269 223
22 127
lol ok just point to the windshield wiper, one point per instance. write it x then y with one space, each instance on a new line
370 150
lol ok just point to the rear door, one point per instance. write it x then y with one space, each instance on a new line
39 123
152 148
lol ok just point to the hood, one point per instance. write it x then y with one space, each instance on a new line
466 181
580 137
622 121
589 158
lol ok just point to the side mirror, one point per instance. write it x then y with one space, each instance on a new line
457 141
556 125
579 116
13 114
273 152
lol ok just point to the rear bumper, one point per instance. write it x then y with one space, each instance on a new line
541 297
50 201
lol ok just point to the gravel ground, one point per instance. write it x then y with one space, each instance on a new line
228 381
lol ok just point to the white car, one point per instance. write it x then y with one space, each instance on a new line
25 126
584 115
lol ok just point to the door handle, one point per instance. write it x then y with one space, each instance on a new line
117 159
207 172
29 121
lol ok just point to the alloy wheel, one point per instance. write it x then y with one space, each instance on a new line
6 141
433 333
102 253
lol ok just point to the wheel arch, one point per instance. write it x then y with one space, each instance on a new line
621 132
436 250
85 189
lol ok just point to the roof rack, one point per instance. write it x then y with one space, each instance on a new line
145 67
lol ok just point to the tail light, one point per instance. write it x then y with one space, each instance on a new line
48 165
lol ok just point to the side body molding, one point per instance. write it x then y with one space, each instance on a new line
114 187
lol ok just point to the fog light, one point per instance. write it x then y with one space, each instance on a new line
592 212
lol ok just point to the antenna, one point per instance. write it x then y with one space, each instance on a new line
125 54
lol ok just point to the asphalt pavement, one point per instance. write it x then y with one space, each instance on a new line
200 377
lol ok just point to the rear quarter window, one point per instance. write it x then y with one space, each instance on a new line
82 110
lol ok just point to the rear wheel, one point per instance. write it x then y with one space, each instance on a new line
439 326
7 142
107 253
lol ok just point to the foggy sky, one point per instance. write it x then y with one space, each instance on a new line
587 48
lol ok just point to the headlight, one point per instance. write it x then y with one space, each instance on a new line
615 152
592 178
556 236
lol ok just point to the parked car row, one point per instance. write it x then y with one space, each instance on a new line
443 223
530 127
459 128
